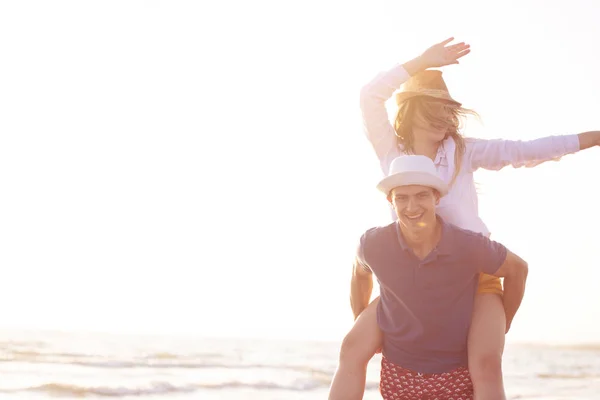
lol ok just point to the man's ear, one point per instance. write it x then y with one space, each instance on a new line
438 196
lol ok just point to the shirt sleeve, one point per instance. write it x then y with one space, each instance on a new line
377 126
360 261
497 154
486 255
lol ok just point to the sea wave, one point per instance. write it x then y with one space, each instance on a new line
165 388
17 353
197 365
154 361
63 389
22 343
568 376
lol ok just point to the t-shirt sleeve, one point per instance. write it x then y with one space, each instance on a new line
487 255
360 256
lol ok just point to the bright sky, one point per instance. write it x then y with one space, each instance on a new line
200 166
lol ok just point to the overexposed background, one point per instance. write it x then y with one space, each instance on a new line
200 167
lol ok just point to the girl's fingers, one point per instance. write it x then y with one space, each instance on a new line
445 42
462 53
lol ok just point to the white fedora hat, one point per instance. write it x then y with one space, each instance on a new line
412 170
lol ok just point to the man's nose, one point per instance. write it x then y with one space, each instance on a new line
411 205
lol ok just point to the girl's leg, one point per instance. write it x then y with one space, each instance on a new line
486 345
358 347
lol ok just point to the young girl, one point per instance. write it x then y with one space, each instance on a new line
427 123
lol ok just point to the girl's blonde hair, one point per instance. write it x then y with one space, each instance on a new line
403 124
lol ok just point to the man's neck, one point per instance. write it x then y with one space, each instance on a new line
422 241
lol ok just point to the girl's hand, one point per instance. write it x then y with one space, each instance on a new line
442 54
589 139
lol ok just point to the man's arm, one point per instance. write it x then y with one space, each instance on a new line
514 271
361 287
493 258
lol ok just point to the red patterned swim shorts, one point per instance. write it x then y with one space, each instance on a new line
398 383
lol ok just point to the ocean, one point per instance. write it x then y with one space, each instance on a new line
44 365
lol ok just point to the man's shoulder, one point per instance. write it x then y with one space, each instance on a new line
378 238
461 237
378 232
376 242
462 232
464 239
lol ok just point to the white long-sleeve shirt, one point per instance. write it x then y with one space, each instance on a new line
460 205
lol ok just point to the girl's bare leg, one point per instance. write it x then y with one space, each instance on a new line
358 347
486 345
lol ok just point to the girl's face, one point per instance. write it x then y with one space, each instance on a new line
434 119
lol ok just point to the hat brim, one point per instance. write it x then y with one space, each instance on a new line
412 178
403 96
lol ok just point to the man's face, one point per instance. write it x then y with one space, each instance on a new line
415 205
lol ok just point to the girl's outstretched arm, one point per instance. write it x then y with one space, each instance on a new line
497 154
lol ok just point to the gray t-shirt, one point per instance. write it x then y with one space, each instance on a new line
426 305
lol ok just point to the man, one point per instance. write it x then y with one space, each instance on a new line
428 273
